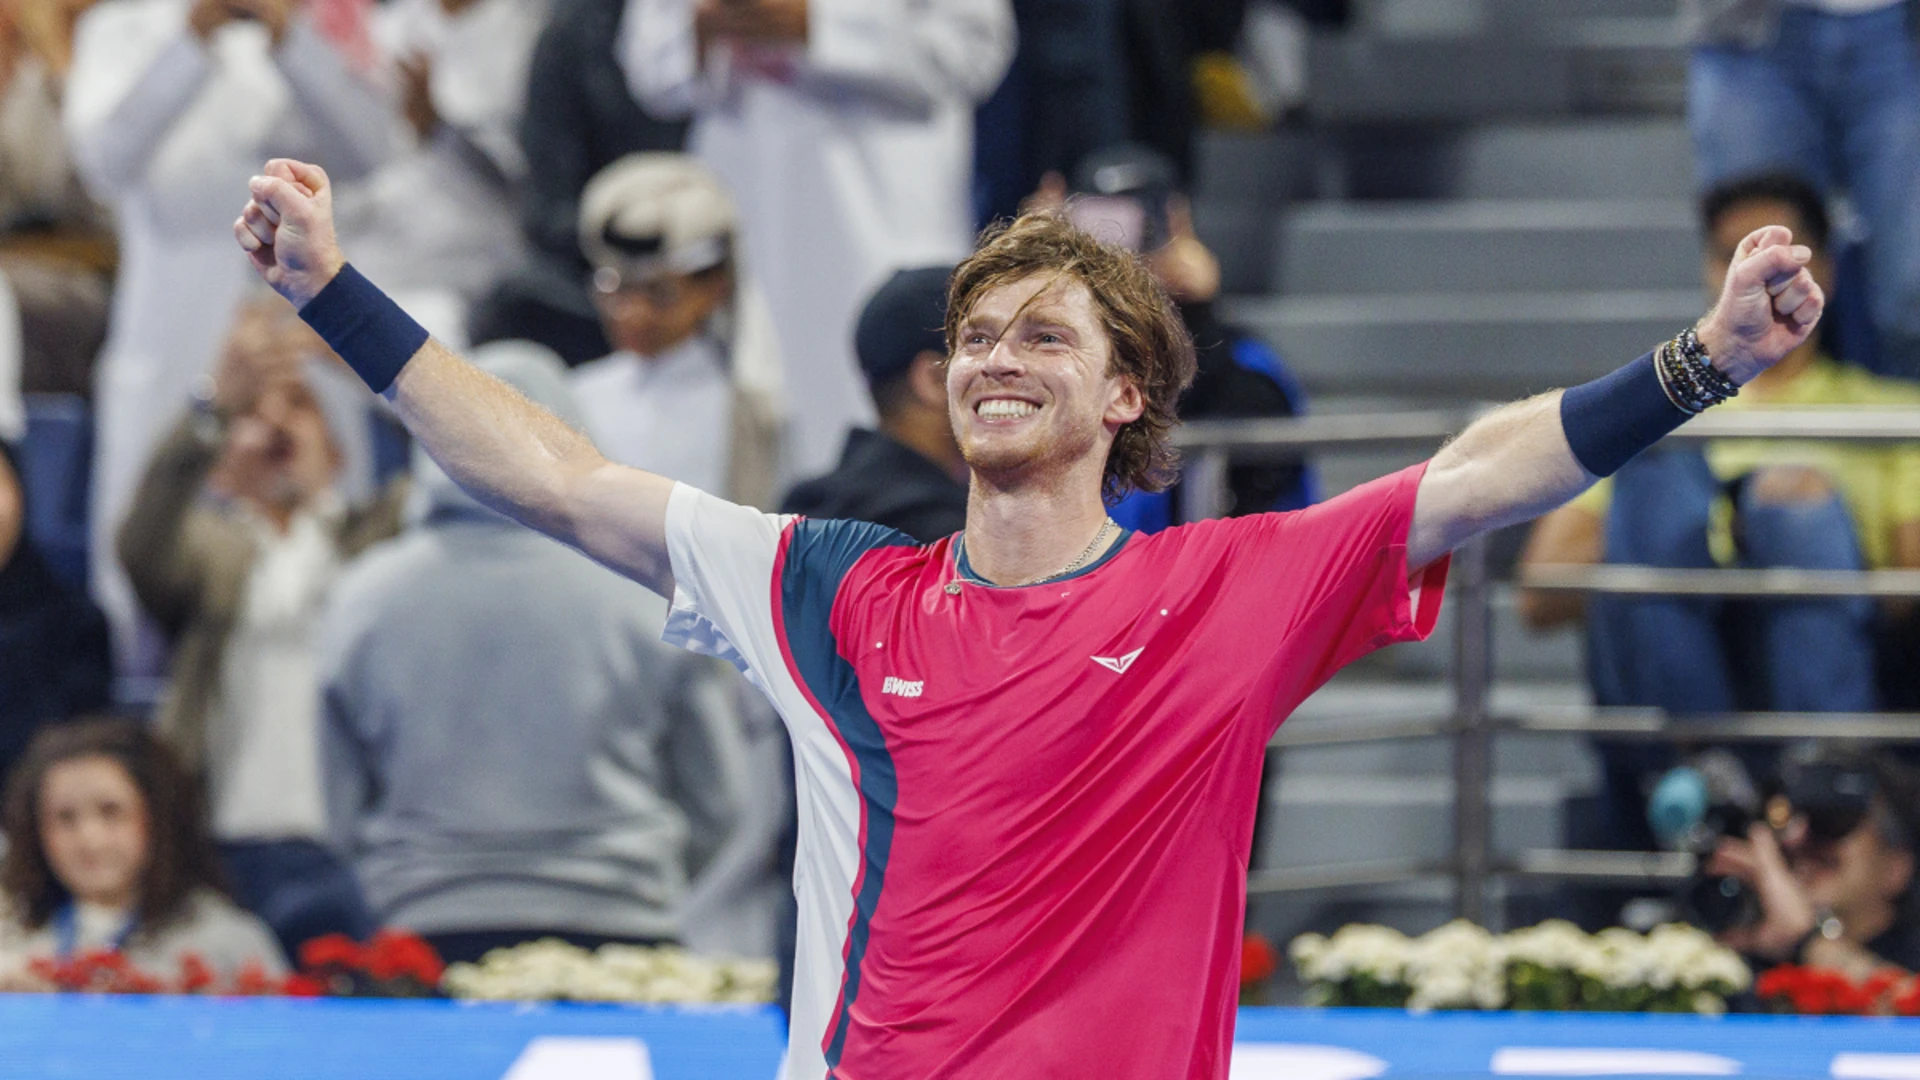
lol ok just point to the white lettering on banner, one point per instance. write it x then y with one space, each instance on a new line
1301 1061
902 687
1608 1061
552 1057
1876 1067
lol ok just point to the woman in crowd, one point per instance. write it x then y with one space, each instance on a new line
107 852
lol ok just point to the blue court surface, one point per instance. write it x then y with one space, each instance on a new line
178 1038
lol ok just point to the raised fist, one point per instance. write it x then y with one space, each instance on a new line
1768 307
286 229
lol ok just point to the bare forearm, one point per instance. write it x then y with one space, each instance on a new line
523 461
504 450
1509 466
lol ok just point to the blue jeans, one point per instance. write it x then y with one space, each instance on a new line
1708 655
1835 98
299 889
1704 654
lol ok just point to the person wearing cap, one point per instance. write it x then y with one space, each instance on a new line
552 775
1129 193
845 130
908 474
693 385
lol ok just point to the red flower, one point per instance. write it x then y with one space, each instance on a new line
303 986
395 954
1907 1002
195 975
1257 960
1820 991
332 950
251 980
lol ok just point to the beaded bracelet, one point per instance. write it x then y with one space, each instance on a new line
1688 376
1689 344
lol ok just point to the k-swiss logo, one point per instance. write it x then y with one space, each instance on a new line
1119 663
902 687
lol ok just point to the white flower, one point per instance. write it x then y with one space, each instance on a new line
551 969
1377 951
1554 944
1458 966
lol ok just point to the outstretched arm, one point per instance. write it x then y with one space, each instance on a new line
1521 460
506 451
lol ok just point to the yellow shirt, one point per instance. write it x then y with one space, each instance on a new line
1879 482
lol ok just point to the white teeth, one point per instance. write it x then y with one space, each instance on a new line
1005 409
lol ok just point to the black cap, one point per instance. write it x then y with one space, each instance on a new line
1126 168
903 318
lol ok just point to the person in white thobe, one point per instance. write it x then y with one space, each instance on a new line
463 68
695 382
165 126
693 391
844 129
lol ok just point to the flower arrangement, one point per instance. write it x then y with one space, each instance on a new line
104 971
1825 992
552 970
392 964
1552 966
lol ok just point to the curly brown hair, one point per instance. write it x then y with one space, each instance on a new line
181 859
1151 347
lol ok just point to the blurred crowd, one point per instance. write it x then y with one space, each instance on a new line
1803 113
715 235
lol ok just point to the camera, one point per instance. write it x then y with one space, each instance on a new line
1713 796
1121 195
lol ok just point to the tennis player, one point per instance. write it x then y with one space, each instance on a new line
1028 755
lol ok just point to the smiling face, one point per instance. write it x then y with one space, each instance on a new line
94 829
1030 386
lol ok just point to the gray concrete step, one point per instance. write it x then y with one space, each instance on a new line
1504 19
1336 818
1494 346
1632 174
1486 246
1556 158
1360 78
1583 159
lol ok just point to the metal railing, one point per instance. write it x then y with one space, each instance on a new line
1472 724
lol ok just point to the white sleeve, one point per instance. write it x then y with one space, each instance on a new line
135 71
723 556
659 55
921 51
355 125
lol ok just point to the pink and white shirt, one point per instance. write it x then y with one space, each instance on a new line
1025 813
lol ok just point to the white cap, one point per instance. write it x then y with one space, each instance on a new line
648 214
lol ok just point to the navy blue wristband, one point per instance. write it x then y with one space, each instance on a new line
365 327
1616 416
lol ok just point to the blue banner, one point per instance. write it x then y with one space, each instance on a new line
115 1038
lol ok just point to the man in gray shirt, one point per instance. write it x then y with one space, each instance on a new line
497 780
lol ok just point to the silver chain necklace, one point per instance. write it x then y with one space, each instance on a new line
1092 546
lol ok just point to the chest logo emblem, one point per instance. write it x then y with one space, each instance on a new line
903 688
1119 663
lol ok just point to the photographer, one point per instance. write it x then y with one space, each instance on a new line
1833 872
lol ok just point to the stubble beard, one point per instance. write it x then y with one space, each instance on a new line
1031 461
